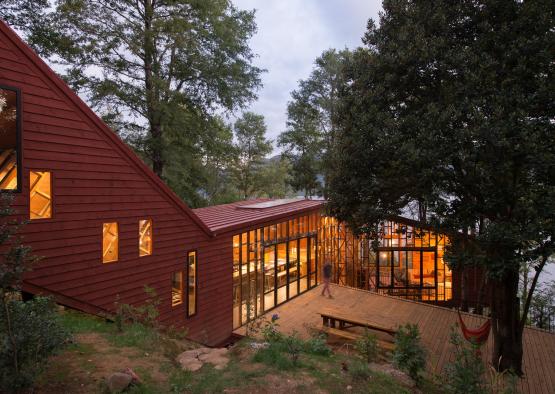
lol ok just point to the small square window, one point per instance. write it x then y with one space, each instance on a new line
40 195
110 242
145 237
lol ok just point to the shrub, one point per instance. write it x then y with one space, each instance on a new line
273 355
35 334
359 370
409 355
367 346
293 345
269 329
466 373
145 314
317 345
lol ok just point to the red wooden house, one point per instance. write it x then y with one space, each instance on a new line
105 225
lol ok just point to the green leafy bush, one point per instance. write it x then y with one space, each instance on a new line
274 355
317 345
367 346
30 332
409 355
145 314
269 329
359 370
293 345
465 374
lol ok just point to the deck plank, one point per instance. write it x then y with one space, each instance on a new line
434 323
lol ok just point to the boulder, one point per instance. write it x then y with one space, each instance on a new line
118 381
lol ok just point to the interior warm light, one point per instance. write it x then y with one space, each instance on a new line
109 242
145 237
40 195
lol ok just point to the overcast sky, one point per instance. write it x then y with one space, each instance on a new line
291 35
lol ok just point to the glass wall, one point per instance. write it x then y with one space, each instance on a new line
273 264
403 260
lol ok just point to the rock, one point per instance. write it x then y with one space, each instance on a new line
117 382
193 360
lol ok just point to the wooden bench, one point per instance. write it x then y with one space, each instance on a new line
330 318
353 336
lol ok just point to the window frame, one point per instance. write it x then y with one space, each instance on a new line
102 244
52 211
195 251
182 290
151 252
18 139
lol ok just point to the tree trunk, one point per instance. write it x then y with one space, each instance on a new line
507 333
152 99
464 296
156 149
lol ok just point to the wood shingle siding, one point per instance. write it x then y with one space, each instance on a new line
96 178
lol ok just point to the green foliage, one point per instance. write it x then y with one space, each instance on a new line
310 131
30 333
542 307
409 354
317 345
158 72
145 314
293 346
251 147
274 355
444 111
270 331
367 346
360 370
465 374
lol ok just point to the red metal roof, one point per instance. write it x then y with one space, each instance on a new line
227 217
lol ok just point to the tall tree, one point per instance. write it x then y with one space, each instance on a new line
310 130
303 143
152 68
31 17
449 104
252 147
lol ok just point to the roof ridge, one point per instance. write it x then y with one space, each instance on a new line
125 150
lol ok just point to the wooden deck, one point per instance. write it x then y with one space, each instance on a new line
434 323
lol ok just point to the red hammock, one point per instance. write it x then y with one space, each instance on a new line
478 335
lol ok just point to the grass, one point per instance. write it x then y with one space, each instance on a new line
316 369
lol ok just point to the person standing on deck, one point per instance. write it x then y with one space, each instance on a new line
327 277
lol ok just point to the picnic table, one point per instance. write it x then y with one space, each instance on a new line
330 318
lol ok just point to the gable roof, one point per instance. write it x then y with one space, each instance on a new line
240 214
101 126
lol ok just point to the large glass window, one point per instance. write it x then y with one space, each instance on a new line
40 195
145 237
9 129
191 283
271 265
110 242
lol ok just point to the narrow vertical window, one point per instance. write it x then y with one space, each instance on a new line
40 195
191 283
177 288
109 242
145 237
9 139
